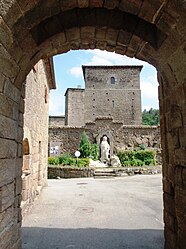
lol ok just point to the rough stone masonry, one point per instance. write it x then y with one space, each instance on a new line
112 91
153 31
109 105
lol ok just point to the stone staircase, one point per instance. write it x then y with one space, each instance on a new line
105 173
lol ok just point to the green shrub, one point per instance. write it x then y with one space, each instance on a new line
127 155
141 155
85 146
149 161
66 159
53 160
137 157
87 149
83 162
137 162
94 151
126 163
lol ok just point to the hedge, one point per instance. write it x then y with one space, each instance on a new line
67 160
137 157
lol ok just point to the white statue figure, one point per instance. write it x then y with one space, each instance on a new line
105 150
115 162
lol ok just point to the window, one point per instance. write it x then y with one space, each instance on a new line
112 80
26 156
113 103
26 147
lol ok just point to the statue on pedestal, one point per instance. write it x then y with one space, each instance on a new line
105 150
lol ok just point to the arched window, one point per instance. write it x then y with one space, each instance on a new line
112 80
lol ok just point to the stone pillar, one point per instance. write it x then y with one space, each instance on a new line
173 135
11 134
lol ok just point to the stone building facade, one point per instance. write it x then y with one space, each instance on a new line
109 105
153 31
109 91
74 107
57 120
35 142
113 91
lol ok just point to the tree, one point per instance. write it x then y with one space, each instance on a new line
85 146
150 117
87 149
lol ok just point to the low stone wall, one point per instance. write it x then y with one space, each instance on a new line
149 170
55 172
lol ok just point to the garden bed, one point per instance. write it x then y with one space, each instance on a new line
57 171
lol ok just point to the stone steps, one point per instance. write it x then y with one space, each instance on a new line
105 172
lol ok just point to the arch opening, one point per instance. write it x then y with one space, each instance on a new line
163 47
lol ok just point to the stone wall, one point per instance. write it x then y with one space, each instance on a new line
113 91
74 107
57 171
35 145
56 120
154 31
120 136
67 138
109 91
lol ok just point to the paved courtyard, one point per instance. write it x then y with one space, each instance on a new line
115 213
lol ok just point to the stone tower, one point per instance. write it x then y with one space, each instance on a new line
113 91
74 107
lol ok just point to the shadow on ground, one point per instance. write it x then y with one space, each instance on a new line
91 238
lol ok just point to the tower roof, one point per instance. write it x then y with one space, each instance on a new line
74 90
111 67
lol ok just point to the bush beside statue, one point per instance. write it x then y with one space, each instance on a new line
90 153
87 149
137 157
68 160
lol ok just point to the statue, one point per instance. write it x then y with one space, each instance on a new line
105 150
115 162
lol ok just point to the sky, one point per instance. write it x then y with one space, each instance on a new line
69 74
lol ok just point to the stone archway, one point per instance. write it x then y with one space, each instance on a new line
108 134
154 32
